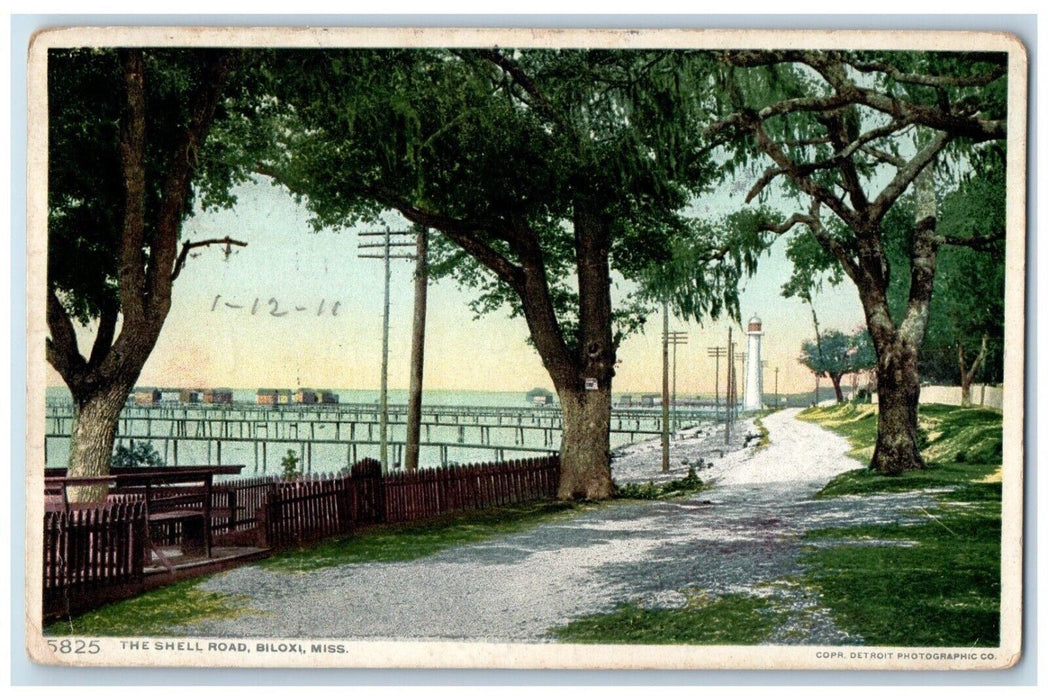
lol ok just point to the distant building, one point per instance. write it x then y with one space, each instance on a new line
189 395
218 396
539 396
285 397
266 397
626 401
328 396
147 396
305 396
649 400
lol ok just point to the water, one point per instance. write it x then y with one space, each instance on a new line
261 453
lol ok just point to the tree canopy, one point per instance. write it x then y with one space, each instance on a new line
848 134
835 354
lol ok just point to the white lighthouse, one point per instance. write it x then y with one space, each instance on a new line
752 398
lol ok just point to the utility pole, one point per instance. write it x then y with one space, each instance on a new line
386 255
764 363
665 386
676 338
717 353
418 353
728 390
777 402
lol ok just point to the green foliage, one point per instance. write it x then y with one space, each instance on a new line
735 618
289 465
85 182
836 353
668 489
455 133
139 454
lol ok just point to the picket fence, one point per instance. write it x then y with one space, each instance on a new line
92 547
307 510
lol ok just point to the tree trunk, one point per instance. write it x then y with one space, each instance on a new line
96 413
968 373
585 451
836 379
898 393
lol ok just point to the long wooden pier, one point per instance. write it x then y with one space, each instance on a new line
499 429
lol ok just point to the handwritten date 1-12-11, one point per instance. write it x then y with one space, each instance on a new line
274 308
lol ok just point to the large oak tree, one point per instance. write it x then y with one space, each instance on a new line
126 134
550 175
849 133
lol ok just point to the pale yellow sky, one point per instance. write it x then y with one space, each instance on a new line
205 343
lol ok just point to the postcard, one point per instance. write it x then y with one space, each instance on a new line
511 349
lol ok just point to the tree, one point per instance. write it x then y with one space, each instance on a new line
966 319
836 354
547 174
850 133
128 133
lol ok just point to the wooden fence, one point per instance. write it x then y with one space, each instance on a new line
109 545
93 547
312 509
448 490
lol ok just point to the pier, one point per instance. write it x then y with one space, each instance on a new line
351 429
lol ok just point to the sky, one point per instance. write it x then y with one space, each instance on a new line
298 337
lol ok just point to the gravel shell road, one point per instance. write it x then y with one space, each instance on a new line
740 536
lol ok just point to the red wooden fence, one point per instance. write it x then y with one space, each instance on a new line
92 547
311 509
106 545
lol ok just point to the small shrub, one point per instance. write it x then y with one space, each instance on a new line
140 454
290 464
653 492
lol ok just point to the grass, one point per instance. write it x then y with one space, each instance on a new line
153 613
931 583
765 440
731 619
416 540
666 490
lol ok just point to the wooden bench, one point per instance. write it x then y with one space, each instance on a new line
184 498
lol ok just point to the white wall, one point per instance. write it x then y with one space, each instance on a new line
951 395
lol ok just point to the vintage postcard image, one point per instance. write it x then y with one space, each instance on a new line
525 349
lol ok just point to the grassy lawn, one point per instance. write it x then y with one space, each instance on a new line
934 583
731 619
154 613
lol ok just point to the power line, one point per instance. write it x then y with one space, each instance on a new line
387 244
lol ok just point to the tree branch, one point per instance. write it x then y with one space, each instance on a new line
907 174
941 81
189 245
800 177
513 69
989 243
462 233
106 330
183 162
63 352
133 170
